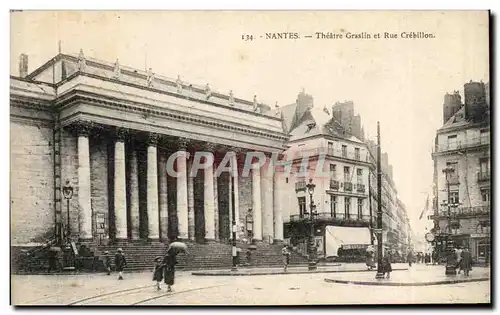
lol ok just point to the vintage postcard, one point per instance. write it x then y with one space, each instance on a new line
250 157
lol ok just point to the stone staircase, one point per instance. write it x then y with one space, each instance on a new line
215 255
140 256
269 255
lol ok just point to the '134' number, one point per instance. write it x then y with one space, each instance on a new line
247 37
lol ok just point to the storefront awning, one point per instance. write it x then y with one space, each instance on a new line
352 237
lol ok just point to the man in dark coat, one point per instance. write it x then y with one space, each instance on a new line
466 261
120 263
386 266
170 260
410 258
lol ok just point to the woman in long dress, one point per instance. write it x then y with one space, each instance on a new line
170 260
370 258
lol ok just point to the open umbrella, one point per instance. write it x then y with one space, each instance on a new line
177 247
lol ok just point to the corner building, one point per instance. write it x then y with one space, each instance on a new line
462 200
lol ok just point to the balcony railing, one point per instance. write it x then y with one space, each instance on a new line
347 186
483 176
335 218
300 185
297 154
462 212
334 184
460 145
360 188
454 180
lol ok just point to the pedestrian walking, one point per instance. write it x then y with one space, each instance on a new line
107 262
286 257
52 259
386 266
466 261
434 257
370 258
458 253
410 258
169 262
120 263
158 272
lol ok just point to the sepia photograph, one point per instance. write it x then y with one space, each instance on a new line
250 158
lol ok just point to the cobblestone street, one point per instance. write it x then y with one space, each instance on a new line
292 289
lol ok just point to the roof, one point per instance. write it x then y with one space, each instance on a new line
138 76
316 122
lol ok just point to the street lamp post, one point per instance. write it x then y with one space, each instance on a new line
233 223
68 194
450 259
312 243
380 268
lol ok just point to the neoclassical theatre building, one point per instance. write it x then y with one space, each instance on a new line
107 131
92 143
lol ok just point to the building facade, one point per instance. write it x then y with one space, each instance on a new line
111 133
319 151
395 222
462 172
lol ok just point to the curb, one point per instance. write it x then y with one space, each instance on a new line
264 273
409 284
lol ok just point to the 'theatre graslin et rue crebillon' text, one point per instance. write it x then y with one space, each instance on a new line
350 35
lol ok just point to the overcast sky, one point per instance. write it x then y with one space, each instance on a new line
399 82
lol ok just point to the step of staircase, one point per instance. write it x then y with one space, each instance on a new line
140 255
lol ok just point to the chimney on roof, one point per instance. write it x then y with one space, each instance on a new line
23 65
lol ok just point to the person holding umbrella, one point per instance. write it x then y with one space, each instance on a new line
170 260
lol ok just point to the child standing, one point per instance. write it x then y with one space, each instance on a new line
158 272
286 257
120 263
107 262
386 266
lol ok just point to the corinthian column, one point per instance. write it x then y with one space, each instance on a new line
120 193
163 194
256 203
152 189
267 202
278 210
190 188
235 174
84 205
182 193
208 198
216 203
134 194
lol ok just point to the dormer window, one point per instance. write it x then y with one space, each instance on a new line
310 126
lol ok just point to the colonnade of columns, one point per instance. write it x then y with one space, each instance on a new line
266 206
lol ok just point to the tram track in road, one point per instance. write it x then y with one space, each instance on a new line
106 295
175 293
150 295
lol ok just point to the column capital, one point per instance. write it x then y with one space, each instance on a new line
182 143
236 150
121 134
209 146
153 139
82 128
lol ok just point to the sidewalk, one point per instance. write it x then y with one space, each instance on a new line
330 268
420 275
